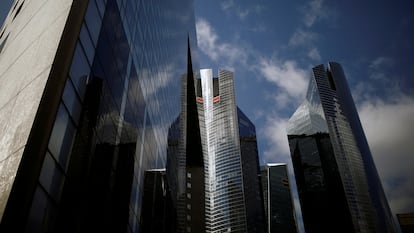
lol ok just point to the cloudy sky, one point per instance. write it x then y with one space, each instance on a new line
272 45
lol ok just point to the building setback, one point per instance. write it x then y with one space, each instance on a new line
88 90
338 185
280 213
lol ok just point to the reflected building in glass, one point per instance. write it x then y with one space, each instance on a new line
88 92
280 213
228 203
338 185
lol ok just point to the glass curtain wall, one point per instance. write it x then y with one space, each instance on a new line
121 95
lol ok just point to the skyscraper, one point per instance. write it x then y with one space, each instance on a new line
185 161
88 90
252 187
337 181
280 213
226 205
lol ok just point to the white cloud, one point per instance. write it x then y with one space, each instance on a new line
286 75
260 27
388 127
275 134
206 38
208 42
381 61
381 81
243 13
378 67
292 83
225 5
314 54
302 38
230 8
314 11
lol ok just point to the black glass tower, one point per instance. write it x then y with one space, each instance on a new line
101 90
251 174
339 188
185 161
280 214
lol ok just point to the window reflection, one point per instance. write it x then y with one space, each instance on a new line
79 70
87 43
51 177
71 101
42 213
61 138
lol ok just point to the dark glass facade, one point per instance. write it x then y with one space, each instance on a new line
321 194
156 203
121 94
331 155
280 213
185 162
251 174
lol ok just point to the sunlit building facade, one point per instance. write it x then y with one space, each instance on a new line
280 213
334 169
226 206
88 92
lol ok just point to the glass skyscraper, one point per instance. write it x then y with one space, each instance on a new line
227 201
185 162
338 185
88 91
280 213
251 174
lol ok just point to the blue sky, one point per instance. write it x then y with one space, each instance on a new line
272 45
4 9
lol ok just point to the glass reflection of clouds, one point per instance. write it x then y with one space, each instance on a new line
122 95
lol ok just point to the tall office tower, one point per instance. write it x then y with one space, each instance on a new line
185 162
88 90
226 205
338 185
280 213
253 194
